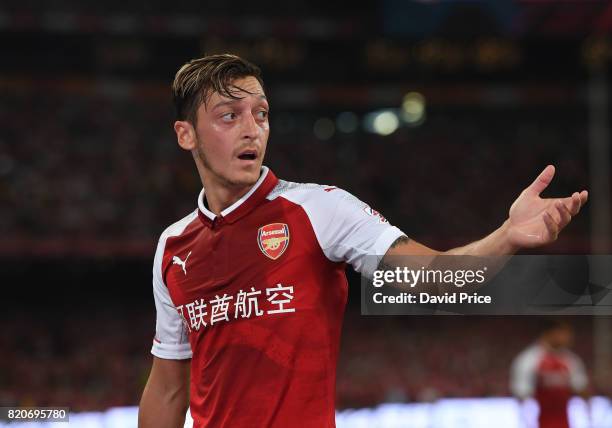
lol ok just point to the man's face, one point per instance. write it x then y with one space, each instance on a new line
560 338
232 135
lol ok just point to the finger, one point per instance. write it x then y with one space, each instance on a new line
572 203
542 181
584 196
574 208
565 214
551 226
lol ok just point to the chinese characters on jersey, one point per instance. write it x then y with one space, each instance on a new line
245 304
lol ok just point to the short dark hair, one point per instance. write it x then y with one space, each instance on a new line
551 324
199 78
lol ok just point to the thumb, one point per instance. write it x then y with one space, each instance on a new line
542 181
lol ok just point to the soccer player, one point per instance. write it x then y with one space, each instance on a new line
250 288
548 371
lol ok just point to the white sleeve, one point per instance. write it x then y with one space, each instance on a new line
523 373
347 229
578 376
171 340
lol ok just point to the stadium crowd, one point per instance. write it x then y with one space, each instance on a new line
94 362
92 167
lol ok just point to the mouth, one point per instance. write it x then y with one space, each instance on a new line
248 155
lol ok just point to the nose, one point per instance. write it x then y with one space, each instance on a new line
250 129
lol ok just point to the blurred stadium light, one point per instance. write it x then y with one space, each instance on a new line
382 122
347 122
413 109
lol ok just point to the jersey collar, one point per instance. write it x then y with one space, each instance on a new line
264 185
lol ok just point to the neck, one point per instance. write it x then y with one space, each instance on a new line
549 345
220 197
218 193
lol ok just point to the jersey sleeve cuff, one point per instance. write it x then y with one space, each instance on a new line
171 351
381 247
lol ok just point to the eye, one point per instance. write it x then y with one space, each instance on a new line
228 117
262 114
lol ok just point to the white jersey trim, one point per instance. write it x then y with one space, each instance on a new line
171 337
212 216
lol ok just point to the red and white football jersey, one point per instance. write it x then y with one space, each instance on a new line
256 296
551 377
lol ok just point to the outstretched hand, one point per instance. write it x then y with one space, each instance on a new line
536 221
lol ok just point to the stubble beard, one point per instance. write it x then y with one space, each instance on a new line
219 177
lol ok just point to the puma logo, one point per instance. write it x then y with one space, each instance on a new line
176 260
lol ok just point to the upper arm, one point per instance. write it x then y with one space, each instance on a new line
578 376
404 246
523 374
347 229
171 336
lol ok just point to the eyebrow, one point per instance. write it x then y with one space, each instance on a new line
232 101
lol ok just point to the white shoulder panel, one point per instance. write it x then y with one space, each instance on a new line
171 340
523 372
578 376
347 229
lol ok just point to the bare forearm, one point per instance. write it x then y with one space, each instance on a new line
492 251
494 244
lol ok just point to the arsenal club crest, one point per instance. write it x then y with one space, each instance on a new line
273 239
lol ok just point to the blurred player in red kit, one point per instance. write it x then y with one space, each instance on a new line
250 287
549 372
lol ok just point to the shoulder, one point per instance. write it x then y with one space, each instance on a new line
178 227
312 193
175 229
325 201
290 189
572 356
530 355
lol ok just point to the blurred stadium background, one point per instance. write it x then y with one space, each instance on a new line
437 113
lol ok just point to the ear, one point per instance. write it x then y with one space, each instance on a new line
185 134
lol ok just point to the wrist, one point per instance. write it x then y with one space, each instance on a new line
508 247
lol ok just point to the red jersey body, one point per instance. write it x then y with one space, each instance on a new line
551 377
256 296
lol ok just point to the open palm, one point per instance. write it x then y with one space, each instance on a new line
536 221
